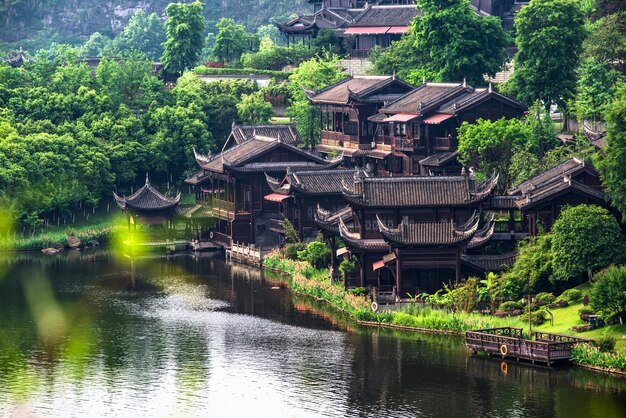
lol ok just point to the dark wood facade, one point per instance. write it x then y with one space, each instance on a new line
233 185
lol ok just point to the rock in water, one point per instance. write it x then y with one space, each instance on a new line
50 251
73 242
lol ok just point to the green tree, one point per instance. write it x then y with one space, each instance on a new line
586 238
608 293
533 266
595 89
185 36
405 60
606 43
327 41
232 41
549 37
144 33
254 110
458 43
489 146
96 46
313 74
613 165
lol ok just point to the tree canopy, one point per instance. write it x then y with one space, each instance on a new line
550 34
185 36
613 164
585 238
232 41
144 33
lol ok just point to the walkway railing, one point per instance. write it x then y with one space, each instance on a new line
245 253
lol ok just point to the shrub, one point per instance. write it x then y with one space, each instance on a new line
537 317
586 300
291 250
347 266
588 354
510 306
317 254
202 70
605 344
544 298
572 295
358 291
608 294
584 313
533 266
561 303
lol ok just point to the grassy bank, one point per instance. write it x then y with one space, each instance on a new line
304 279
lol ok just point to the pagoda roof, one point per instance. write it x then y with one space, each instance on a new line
429 233
556 181
483 234
329 221
147 198
439 159
417 191
354 240
489 263
242 133
241 158
359 88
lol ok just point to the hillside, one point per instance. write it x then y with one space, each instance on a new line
33 23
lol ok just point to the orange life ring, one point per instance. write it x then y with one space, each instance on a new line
504 350
504 368
211 234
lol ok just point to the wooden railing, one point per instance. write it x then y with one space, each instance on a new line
442 142
509 342
404 143
221 239
245 253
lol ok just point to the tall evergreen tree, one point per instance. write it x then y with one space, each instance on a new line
550 34
185 36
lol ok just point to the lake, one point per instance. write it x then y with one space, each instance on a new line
106 335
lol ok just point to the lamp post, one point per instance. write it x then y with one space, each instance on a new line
530 299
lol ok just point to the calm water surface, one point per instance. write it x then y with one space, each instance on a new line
103 335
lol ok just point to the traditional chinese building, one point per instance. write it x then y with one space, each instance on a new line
233 185
376 22
541 198
148 206
345 108
410 233
300 192
419 129
504 9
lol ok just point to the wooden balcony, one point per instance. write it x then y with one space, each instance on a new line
338 136
442 143
404 144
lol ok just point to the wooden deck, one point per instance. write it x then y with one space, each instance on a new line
508 342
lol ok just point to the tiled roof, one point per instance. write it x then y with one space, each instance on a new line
475 97
484 234
329 221
386 16
286 133
353 240
421 191
439 159
535 196
428 233
241 156
490 263
425 97
321 182
566 168
147 198
340 92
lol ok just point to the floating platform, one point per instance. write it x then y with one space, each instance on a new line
508 342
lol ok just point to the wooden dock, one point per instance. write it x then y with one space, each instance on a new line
508 342
245 253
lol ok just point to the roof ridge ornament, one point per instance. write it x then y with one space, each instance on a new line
147 178
490 90
464 83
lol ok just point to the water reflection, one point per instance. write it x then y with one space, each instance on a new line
97 333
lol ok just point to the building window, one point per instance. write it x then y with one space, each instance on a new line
351 128
400 129
394 164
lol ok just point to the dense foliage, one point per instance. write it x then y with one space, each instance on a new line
585 238
449 42
184 30
613 165
70 135
608 294
550 34
534 264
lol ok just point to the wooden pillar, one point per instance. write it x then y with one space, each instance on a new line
457 266
362 269
511 220
333 258
398 274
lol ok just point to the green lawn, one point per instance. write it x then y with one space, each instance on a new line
566 318
280 120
